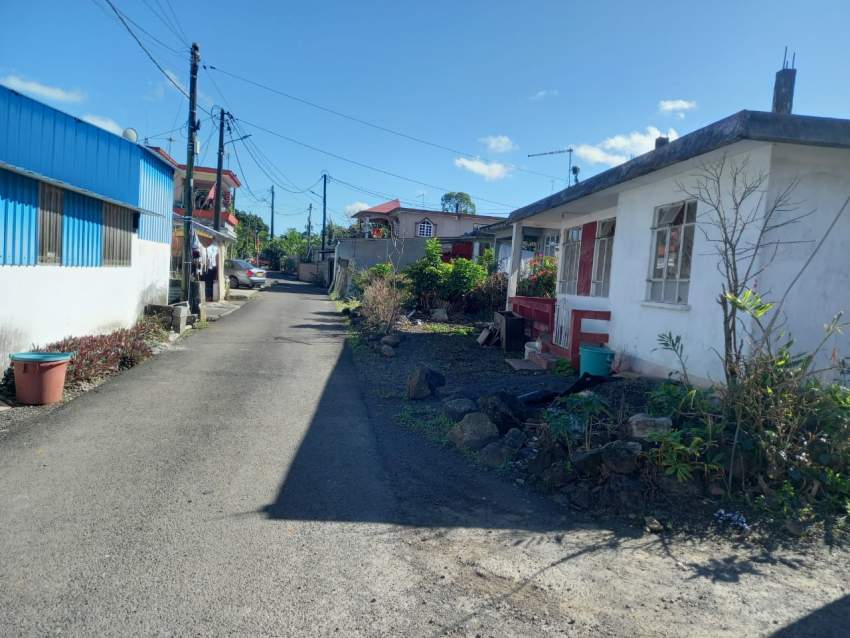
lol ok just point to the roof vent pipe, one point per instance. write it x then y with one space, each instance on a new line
783 88
661 141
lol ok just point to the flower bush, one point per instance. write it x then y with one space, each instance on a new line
541 279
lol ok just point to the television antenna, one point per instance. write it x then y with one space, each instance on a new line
571 170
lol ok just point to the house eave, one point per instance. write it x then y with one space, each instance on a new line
757 126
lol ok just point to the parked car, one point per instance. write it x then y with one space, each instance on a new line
241 272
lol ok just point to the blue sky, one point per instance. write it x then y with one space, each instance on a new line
497 80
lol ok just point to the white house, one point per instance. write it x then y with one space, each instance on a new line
635 246
85 226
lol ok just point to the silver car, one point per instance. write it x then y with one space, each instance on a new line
243 273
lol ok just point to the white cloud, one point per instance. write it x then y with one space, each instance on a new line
355 207
620 148
42 91
676 107
105 123
490 171
540 95
498 143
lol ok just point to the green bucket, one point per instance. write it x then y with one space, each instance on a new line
595 360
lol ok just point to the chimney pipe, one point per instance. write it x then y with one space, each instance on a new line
661 141
783 90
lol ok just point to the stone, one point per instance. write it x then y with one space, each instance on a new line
391 340
580 497
423 382
504 409
439 314
496 454
514 438
387 351
179 318
555 476
643 426
653 525
474 431
456 409
587 462
621 456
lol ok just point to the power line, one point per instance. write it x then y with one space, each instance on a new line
144 48
176 20
161 18
363 165
379 127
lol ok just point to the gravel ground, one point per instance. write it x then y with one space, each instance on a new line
555 572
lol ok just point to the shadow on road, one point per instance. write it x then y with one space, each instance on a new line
830 621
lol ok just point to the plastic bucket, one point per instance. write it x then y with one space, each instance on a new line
595 360
40 376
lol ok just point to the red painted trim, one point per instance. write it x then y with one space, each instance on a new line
538 311
585 264
577 337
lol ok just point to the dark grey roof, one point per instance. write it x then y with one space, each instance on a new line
744 125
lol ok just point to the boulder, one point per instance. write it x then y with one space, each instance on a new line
387 351
474 431
504 409
621 456
514 438
422 383
456 409
439 314
642 426
587 462
496 454
555 476
391 340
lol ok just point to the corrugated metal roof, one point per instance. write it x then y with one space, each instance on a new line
45 143
18 220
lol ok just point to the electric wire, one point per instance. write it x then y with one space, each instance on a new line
373 125
362 164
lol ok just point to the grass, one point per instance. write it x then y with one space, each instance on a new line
200 325
454 330
432 424
342 304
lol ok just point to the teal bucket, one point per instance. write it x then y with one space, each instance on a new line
595 360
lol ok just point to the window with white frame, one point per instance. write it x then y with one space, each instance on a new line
569 261
672 249
425 228
549 246
602 250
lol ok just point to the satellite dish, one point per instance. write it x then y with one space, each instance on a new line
131 135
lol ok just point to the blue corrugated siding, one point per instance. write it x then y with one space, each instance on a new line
82 230
38 138
18 220
156 191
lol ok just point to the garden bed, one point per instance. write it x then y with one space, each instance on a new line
638 490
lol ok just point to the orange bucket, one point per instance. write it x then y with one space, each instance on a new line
40 376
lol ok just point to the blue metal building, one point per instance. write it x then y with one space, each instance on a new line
59 179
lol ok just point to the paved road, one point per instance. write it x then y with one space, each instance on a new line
231 485
238 485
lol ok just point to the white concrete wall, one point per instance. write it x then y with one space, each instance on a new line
41 304
636 323
824 288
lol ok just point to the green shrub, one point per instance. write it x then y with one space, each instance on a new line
463 276
487 260
488 296
428 276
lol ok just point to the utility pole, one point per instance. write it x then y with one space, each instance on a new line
272 224
309 230
188 186
324 210
218 170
